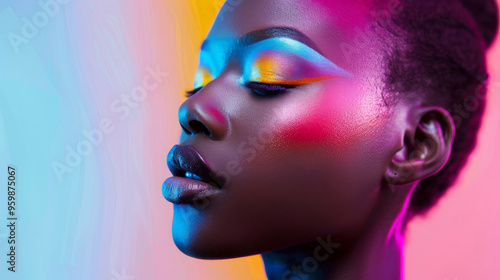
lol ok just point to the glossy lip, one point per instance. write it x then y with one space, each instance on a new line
179 189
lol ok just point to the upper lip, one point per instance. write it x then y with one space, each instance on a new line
185 158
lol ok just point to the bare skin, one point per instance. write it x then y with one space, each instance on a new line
325 160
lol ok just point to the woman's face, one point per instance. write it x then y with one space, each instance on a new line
294 121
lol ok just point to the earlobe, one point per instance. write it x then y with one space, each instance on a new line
428 138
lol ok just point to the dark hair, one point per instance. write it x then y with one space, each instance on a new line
438 50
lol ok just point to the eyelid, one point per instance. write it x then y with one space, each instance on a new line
291 46
203 76
297 82
190 93
264 89
249 83
310 67
286 61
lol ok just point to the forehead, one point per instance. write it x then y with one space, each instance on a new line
328 23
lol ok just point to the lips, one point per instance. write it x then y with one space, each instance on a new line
184 159
193 178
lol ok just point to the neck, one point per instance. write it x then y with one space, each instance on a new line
376 252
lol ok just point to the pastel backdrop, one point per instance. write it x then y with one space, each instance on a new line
69 87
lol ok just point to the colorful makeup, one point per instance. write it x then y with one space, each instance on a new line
210 66
286 61
274 61
202 77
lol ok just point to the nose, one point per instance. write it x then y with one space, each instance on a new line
198 115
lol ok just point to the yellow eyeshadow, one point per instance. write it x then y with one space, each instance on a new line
266 70
203 77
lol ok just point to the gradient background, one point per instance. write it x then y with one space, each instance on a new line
107 218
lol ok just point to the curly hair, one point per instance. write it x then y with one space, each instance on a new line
438 52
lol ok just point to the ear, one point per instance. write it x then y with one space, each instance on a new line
427 141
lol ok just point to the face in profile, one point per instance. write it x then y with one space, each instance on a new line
288 136
296 129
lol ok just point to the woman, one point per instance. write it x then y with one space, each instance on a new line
317 129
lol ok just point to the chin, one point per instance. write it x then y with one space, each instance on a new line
196 237
198 246
200 234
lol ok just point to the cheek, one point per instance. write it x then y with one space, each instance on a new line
309 127
340 119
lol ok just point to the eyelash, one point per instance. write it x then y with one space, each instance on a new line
192 92
264 89
261 89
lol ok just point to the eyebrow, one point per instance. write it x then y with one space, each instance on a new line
268 33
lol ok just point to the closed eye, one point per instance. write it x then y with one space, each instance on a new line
192 92
264 89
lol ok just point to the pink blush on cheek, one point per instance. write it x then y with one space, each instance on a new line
343 126
311 134
306 130
310 128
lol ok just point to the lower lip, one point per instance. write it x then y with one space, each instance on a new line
181 190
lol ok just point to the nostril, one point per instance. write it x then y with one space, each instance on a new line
199 127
